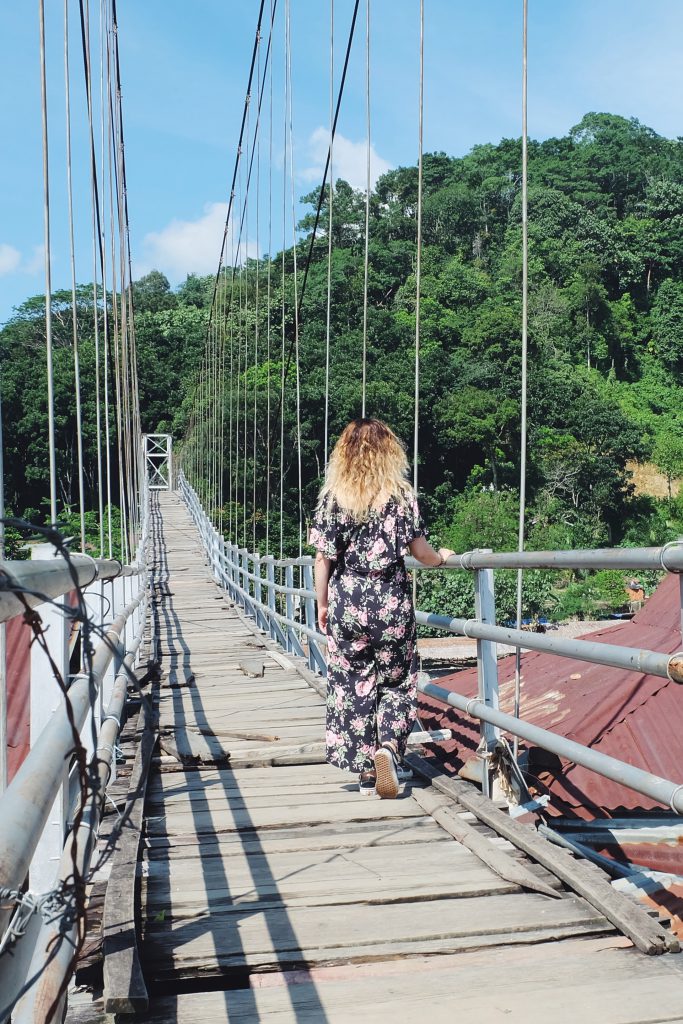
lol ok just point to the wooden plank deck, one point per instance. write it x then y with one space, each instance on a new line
278 892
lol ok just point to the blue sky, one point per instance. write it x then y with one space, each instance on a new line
184 68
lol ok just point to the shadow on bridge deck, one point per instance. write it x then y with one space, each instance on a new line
271 890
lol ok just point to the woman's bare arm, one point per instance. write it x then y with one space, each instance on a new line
323 567
421 549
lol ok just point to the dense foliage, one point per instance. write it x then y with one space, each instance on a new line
605 344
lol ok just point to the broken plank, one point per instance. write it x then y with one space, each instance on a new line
440 807
584 879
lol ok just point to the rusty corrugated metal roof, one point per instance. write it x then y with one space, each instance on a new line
635 717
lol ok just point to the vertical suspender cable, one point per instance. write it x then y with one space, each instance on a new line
3 635
326 442
257 140
313 235
221 399
135 431
418 268
74 312
288 38
238 379
85 33
268 284
525 307
104 43
283 325
245 271
367 204
48 274
115 177
418 255
232 519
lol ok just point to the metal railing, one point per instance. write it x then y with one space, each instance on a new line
287 612
71 706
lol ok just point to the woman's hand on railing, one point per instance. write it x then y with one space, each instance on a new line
421 549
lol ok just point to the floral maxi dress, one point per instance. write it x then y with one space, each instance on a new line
372 647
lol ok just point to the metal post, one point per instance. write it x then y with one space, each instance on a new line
276 630
46 699
96 604
220 555
230 569
245 580
293 642
316 662
289 605
270 591
487 665
258 595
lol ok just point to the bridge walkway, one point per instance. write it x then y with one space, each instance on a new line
271 890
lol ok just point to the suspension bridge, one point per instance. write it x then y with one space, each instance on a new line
173 846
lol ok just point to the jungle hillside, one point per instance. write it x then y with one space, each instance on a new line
605 425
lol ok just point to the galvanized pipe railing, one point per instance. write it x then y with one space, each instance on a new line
51 577
229 565
662 790
26 803
613 655
668 557
57 940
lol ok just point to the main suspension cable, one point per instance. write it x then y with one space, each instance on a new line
309 257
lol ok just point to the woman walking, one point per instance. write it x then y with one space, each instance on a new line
366 521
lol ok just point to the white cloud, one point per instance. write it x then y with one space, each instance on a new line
10 259
36 263
349 159
189 246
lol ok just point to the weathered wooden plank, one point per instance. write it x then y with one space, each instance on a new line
373 875
189 747
584 879
186 904
203 821
331 934
260 779
251 734
124 984
568 981
214 798
321 836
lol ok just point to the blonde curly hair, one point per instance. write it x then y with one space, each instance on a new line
367 467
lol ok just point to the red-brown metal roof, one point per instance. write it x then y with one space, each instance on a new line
634 717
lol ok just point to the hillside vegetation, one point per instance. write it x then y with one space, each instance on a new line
605 347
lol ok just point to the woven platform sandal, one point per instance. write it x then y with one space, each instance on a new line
386 763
